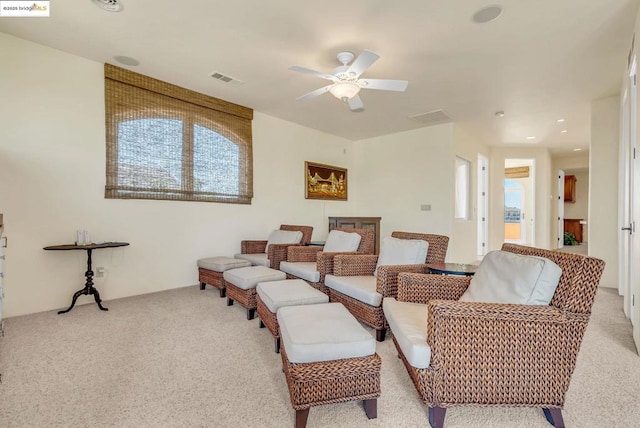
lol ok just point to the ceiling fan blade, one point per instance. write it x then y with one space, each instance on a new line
364 61
313 73
315 93
384 84
355 103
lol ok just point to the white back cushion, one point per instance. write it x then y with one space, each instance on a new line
394 251
283 237
339 241
505 277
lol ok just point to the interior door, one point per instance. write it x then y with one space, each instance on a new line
560 208
483 205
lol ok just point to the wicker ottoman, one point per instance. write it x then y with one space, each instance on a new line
210 271
241 285
328 357
278 294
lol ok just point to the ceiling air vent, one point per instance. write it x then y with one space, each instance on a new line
431 118
226 79
108 5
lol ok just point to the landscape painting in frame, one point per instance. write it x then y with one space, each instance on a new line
325 182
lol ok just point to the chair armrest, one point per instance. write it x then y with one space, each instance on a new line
354 264
325 263
387 277
277 253
421 288
253 246
537 345
302 253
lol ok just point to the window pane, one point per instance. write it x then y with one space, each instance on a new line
462 189
150 154
216 163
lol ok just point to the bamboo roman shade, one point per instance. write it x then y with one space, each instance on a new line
167 142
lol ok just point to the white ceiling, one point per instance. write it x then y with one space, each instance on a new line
539 61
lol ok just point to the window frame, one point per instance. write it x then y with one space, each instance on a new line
231 121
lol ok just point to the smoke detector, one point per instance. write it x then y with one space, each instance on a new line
108 5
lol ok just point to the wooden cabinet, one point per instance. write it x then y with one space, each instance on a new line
359 223
570 188
574 225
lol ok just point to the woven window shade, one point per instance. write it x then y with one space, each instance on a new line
516 172
167 142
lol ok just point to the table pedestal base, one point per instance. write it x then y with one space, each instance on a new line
87 291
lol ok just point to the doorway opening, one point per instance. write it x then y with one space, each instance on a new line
519 201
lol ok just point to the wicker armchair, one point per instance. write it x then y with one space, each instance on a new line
324 261
276 252
486 354
387 278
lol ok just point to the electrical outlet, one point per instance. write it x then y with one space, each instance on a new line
99 272
425 207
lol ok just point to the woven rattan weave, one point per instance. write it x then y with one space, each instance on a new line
276 253
485 354
387 277
213 278
326 382
324 260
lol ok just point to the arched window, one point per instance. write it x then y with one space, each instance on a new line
165 142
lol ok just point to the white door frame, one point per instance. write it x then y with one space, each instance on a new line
483 206
560 208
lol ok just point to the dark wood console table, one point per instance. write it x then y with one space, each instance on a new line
88 286
359 223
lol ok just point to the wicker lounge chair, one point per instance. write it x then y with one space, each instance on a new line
386 281
312 261
255 250
487 354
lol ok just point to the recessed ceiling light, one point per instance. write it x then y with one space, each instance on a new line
487 14
561 120
531 138
499 113
126 60
108 5
577 150
564 131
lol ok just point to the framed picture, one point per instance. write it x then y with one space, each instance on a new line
325 182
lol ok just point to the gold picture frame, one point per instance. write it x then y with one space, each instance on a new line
325 182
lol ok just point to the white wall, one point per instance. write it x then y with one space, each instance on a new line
463 245
398 173
603 180
52 177
542 189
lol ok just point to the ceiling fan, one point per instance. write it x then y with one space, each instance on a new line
346 79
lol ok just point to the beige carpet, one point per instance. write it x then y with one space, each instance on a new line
181 358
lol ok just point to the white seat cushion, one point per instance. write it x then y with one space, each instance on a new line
408 322
322 332
258 259
362 288
338 242
394 251
249 277
220 264
290 292
305 270
283 237
505 277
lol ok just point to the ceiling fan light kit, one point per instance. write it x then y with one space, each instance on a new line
346 79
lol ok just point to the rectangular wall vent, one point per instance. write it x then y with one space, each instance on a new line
226 79
431 118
